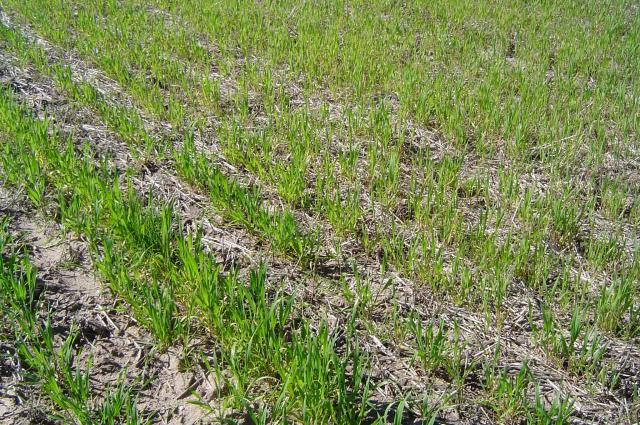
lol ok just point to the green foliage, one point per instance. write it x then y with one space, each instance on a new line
476 150
157 270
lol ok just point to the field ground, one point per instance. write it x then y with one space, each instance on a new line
319 212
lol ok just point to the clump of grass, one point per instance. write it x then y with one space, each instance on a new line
558 413
242 205
580 349
509 393
616 308
431 343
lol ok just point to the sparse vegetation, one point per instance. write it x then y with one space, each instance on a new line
342 212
